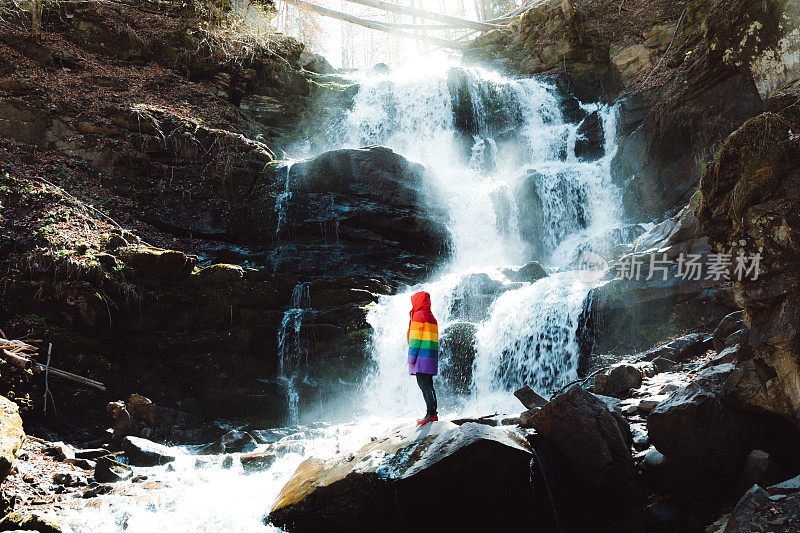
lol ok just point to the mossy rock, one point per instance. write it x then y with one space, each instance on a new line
24 520
221 274
158 262
11 435
751 186
748 166
112 241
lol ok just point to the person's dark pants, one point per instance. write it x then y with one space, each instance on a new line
425 382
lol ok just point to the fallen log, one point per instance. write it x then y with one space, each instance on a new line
72 377
19 354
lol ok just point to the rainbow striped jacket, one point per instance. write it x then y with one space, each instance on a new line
423 337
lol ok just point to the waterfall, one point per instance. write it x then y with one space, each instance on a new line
505 158
293 348
282 201
530 338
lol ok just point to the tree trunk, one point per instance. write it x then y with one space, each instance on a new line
36 18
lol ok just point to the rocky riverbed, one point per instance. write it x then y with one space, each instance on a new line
663 453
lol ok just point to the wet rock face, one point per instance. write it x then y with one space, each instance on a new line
733 56
762 37
348 212
749 206
634 313
475 294
457 354
658 160
537 195
215 330
413 479
499 115
591 141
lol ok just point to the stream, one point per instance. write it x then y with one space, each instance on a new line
503 161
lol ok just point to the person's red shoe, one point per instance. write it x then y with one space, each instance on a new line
423 421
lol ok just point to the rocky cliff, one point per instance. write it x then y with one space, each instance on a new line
749 209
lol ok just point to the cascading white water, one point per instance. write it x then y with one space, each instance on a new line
293 348
519 142
530 338
282 201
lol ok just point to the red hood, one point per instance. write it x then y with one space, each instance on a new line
420 301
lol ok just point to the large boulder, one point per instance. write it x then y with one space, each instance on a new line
139 416
582 461
749 209
591 436
11 435
693 425
530 398
413 478
233 441
142 452
315 63
529 273
618 380
254 462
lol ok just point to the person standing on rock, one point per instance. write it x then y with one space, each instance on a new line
423 351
